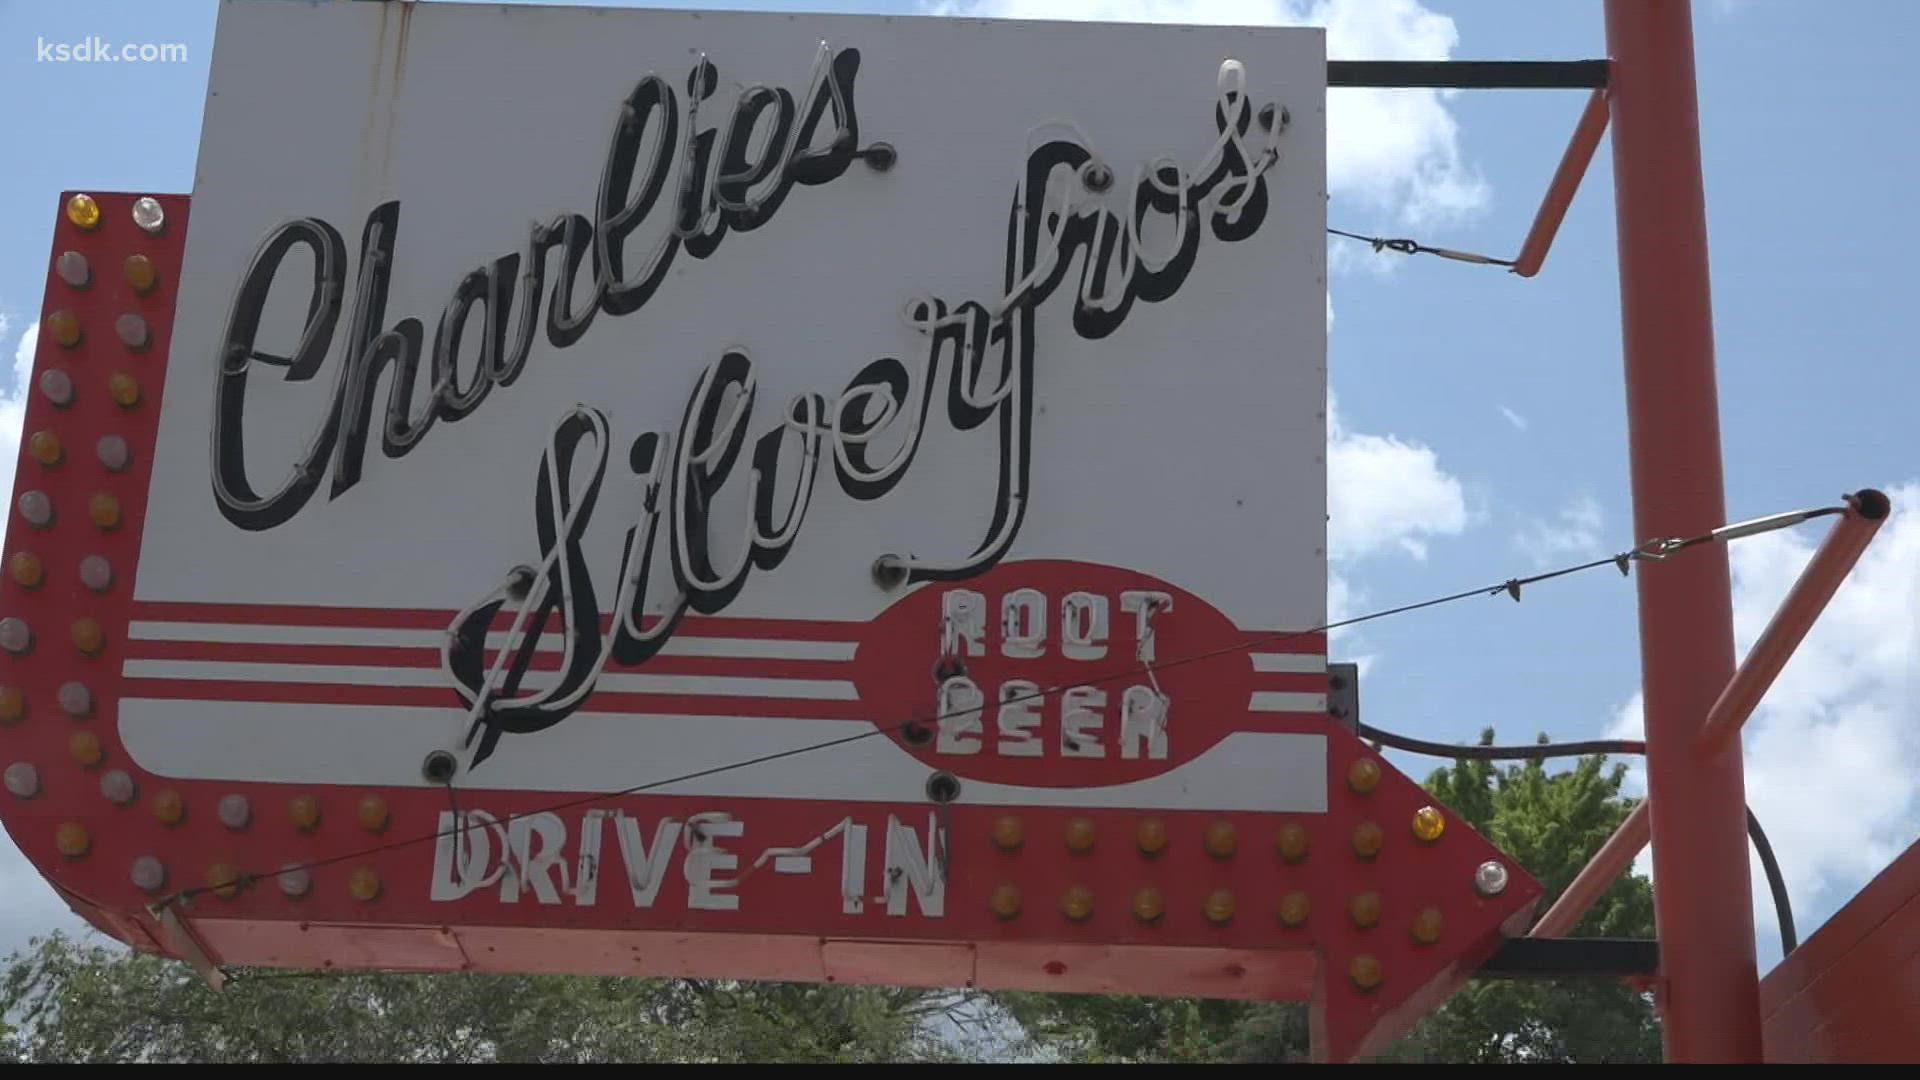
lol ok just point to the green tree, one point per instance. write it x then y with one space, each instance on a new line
86 1003
1550 822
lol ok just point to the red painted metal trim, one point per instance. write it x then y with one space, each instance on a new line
1566 181
1702 891
1849 994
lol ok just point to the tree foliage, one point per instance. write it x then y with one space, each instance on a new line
87 1003
66 1001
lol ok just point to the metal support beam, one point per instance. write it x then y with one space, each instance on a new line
1702 891
1573 958
1469 74
1566 181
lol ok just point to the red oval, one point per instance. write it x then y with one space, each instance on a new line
1200 664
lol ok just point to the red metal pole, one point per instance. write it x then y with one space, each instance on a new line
1702 899
1566 181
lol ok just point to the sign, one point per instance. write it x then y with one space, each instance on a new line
740 495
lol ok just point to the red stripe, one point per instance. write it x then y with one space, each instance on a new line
438 620
1312 643
418 658
212 690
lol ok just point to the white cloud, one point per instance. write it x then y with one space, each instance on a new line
1519 422
13 402
1573 533
1832 751
1384 491
1397 151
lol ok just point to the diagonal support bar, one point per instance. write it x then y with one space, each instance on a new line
1810 594
1566 181
1815 588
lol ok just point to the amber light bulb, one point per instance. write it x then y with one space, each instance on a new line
1152 837
124 389
224 880
87 636
1294 908
1363 776
304 810
140 273
373 813
85 748
1364 909
72 839
1219 907
1428 824
1426 927
1220 841
1367 839
45 448
104 509
13 706
1365 972
1079 835
27 570
64 328
1291 843
1008 833
83 211
363 884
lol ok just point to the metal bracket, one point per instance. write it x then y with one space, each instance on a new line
1343 696
187 945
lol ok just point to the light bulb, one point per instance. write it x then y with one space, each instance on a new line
57 386
148 215
36 509
83 211
72 268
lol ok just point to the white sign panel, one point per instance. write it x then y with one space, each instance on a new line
604 395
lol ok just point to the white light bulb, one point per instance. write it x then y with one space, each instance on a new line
96 573
113 453
234 811
295 880
75 699
147 874
73 269
57 386
15 636
132 330
118 787
36 509
148 214
22 779
1490 879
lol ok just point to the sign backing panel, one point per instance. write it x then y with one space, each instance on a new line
804 482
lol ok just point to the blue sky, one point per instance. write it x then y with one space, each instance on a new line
1481 420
